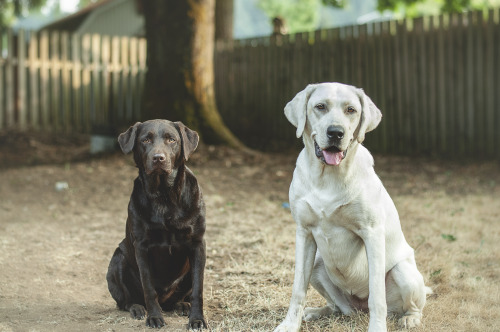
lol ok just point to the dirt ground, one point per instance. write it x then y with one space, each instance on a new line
55 245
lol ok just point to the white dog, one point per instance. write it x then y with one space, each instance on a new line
349 242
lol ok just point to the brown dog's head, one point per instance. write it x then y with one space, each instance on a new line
159 145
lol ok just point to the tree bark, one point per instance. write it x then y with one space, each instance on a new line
180 78
224 19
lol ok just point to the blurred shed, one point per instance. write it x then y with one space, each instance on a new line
105 17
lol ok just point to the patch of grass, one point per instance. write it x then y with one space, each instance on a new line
449 237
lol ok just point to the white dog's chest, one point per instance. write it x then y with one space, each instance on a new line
344 256
342 250
314 207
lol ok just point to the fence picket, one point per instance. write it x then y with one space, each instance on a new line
460 85
34 100
44 81
124 86
76 82
489 87
21 93
105 60
9 82
87 108
114 107
55 68
496 75
133 59
96 86
66 107
2 87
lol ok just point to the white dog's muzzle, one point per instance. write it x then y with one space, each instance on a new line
330 156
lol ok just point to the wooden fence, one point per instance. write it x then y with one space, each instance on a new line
436 80
61 82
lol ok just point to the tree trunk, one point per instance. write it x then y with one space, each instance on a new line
180 78
224 20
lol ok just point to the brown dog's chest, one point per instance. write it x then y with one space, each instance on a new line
166 238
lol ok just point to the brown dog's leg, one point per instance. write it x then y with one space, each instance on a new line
154 318
197 259
125 286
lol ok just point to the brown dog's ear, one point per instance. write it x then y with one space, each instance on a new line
127 139
189 138
296 109
370 116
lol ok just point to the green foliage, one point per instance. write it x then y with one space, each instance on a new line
299 15
334 3
449 237
435 273
10 9
303 15
414 8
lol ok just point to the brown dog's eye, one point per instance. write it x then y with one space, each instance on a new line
170 140
351 109
320 106
146 140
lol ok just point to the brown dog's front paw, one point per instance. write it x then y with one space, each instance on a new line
155 321
137 311
197 323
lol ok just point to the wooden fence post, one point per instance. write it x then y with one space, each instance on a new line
21 93
2 86
55 101
34 67
9 82
96 92
67 112
87 105
44 81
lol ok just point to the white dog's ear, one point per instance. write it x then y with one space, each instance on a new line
370 116
295 110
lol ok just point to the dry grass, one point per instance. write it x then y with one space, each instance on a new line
55 246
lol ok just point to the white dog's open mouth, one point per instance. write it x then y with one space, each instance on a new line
330 156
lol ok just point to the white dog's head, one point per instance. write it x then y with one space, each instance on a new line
332 115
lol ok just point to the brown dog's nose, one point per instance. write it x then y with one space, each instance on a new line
158 158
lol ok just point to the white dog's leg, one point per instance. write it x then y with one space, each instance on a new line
374 239
412 289
335 299
305 250
311 314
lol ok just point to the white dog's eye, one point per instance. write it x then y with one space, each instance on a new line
351 109
320 106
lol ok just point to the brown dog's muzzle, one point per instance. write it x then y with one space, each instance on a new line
159 158
158 162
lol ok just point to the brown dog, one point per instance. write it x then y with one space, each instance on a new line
161 261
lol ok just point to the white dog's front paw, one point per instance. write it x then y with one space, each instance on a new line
311 314
287 327
409 321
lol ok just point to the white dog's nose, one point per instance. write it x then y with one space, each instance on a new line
335 132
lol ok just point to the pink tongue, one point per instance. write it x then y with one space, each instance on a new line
333 158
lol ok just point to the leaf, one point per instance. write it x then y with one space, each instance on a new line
448 237
435 273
